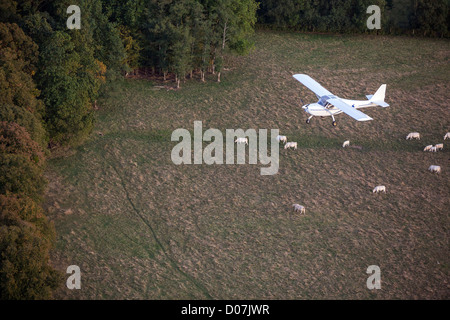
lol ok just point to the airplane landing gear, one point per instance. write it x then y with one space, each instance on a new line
334 123
308 120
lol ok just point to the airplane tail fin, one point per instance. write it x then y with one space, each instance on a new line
378 97
380 94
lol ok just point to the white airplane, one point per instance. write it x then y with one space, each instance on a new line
330 105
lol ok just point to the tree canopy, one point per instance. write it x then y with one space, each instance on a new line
425 17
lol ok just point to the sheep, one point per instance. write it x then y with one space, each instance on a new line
291 145
439 146
447 136
427 148
241 140
433 149
413 135
346 143
282 139
298 207
434 168
379 189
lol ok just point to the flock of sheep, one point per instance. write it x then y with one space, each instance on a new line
413 135
430 148
287 145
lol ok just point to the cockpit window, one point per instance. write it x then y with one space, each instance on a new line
323 101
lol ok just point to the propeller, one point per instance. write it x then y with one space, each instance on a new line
303 104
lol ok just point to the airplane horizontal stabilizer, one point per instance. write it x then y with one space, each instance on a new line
381 103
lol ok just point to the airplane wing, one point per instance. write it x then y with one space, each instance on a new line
312 85
347 109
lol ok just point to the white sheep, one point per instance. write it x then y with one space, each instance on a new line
439 146
282 139
298 207
447 136
413 135
346 143
241 140
291 145
436 169
433 149
379 189
427 148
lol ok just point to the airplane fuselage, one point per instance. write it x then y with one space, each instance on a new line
323 109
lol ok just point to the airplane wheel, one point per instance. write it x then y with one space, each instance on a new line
308 121
334 123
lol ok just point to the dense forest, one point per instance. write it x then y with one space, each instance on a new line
415 17
51 76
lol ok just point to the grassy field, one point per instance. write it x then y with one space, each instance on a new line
141 227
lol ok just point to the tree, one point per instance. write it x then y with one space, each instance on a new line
285 14
18 59
16 211
24 269
232 22
21 162
203 48
15 139
68 78
26 119
158 32
8 10
219 64
180 54
108 45
37 26
132 48
128 17
431 17
401 15
182 17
